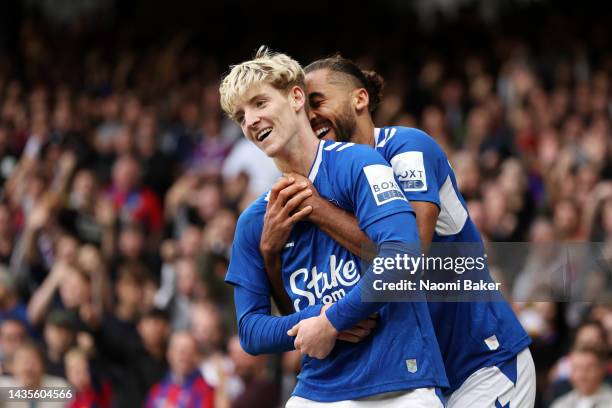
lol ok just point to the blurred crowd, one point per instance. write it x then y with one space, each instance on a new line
121 183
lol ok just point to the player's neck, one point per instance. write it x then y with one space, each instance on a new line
299 153
364 133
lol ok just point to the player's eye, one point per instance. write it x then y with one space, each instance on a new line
240 119
315 103
260 103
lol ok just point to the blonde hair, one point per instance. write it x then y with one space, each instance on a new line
279 70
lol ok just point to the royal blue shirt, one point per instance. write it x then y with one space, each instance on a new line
402 352
471 335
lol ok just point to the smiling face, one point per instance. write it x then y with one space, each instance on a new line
268 117
331 112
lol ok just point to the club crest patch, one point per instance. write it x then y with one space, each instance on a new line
411 365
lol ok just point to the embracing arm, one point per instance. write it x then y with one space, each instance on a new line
351 309
426 216
294 198
316 336
261 332
342 226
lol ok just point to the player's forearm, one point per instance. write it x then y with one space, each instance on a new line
350 310
342 226
261 333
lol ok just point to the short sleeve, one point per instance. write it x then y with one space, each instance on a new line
369 185
416 160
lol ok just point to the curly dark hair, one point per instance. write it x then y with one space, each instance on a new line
370 80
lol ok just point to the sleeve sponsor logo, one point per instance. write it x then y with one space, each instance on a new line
410 171
382 183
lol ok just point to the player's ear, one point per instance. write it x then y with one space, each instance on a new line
361 99
297 97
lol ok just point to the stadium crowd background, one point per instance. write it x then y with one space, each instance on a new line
121 181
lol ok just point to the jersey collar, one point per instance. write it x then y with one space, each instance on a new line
376 135
312 174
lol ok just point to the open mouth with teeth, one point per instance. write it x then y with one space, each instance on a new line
263 134
321 132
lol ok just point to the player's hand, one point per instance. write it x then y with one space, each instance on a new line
360 331
282 213
315 200
315 337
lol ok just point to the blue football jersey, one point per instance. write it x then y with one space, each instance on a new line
471 335
402 353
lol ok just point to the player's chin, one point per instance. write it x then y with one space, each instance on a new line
270 149
330 135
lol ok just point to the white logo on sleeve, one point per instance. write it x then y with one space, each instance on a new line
382 183
410 170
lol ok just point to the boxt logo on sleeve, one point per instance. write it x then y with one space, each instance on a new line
410 171
382 183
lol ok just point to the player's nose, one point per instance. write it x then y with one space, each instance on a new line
251 120
312 115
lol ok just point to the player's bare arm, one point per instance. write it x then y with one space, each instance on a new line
343 226
427 216
334 221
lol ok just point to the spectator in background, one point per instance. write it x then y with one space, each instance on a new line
190 242
215 255
7 233
86 214
248 172
182 286
132 248
259 391
154 164
59 334
179 140
566 220
109 126
598 214
8 160
468 174
29 373
207 201
206 158
542 277
589 335
181 282
132 202
133 354
66 287
587 375
12 335
10 304
183 386
191 203
218 369
89 390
